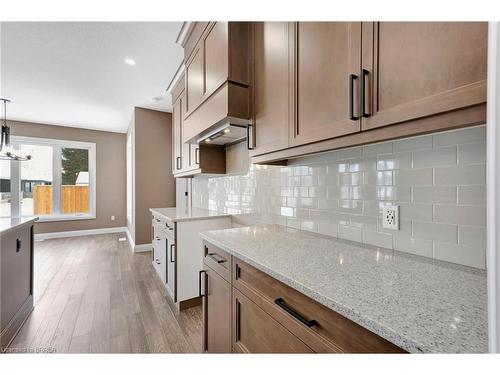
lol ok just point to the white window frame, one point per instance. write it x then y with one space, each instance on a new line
56 144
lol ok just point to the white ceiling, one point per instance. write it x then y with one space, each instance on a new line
74 73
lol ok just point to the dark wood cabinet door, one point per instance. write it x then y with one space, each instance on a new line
217 313
418 69
272 91
326 54
255 331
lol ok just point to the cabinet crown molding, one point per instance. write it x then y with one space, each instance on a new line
185 32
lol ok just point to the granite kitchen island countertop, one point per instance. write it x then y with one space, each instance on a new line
8 224
420 304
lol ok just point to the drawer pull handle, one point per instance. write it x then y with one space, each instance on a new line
281 303
199 283
18 245
216 258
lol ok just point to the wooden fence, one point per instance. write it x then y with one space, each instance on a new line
74 199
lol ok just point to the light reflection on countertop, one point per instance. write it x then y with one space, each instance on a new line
419 304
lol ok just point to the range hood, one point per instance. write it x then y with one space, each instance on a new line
224 134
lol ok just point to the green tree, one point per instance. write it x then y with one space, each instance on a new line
74 161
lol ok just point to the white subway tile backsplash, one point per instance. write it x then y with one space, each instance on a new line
463 175
469 135
467 255
465 215
437 180
413 144
472 194
472 153
413 176
350 233
434 194
377 238
435 158
377 149
472 236
417 246
435 231
395 161
414 211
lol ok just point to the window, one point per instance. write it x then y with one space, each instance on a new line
57 184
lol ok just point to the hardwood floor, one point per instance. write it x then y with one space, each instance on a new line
93 295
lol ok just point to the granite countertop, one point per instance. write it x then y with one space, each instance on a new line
420 304
178 214
8 224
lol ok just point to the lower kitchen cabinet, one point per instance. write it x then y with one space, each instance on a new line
255 331
16 281
216 313
263 315
177 258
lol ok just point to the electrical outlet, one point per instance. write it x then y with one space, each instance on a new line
112 217
390 217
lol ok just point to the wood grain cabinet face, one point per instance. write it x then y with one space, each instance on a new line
325 55
217 313
254 331
418 69
216 56
272 106
195 82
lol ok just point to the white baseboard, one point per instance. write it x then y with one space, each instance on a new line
78 233
137 248
142 248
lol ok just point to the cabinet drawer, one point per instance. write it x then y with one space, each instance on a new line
218 260
255 331
328 330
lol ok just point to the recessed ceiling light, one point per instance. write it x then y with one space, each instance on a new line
227 130
129 61
207 140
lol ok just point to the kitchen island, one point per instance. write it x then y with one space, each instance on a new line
16 268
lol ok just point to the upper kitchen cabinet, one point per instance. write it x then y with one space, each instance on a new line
190 159
327 57
218 91
358 83
417 69
273 95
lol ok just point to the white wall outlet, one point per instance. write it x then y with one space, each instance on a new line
112 217
390 217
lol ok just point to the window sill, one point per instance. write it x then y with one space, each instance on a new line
48 219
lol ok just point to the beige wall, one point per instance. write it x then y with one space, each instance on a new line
110 174
154 185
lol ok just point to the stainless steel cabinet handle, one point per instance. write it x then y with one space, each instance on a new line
199 283
250 145
172 253
197 155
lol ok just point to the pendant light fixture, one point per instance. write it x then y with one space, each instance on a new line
6 152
